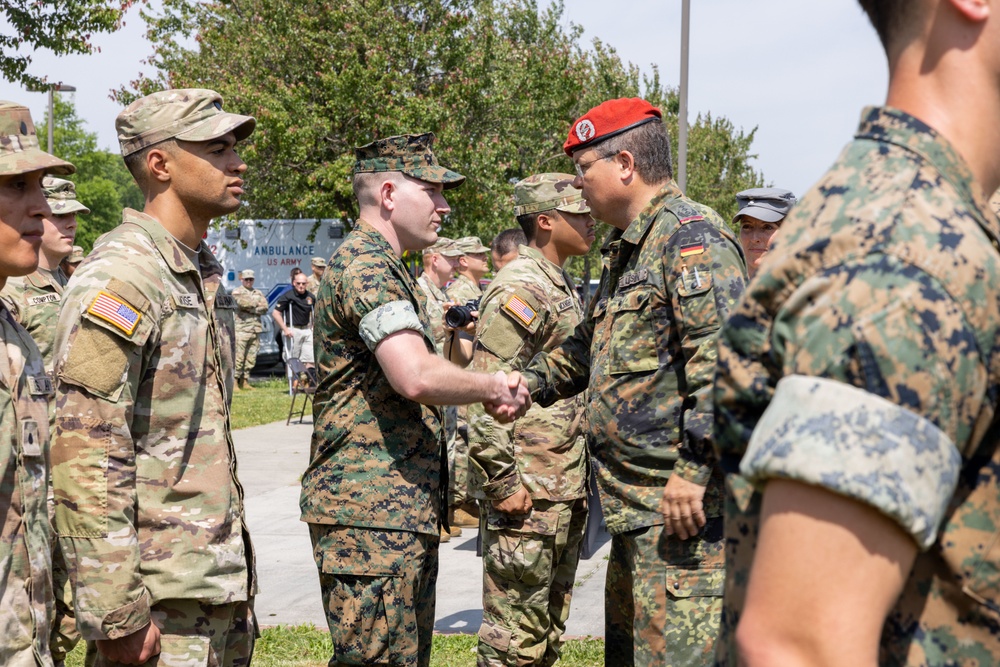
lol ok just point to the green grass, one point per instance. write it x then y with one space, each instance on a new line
267 402
307 646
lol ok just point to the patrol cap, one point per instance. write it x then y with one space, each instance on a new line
75 255
19 151
767 204
61 196
246 273
545 192
609 119
470 245
318 261
188 114
443 246
408 153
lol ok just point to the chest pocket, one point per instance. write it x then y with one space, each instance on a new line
633 344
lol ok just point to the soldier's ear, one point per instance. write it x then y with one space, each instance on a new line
544 222
158 164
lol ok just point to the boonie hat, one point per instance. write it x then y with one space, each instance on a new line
75 255
546 192
19 151
61 196
767 204
246 273
318 261
443 246
609 119
408 153
188 114
470 245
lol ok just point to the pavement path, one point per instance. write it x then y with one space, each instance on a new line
271 460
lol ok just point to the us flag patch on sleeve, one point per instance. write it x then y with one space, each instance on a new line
111 309
519 308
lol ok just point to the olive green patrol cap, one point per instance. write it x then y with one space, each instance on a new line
188 114
75 255
443 246
19 150
470 245
547 192
408 153
61 196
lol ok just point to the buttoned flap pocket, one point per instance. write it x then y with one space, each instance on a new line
685 582
517 547
535 522
697 303
633 341
363 563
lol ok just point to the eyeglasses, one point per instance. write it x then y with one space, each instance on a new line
582 167
250 279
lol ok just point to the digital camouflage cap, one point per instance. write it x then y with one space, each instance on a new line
547 192
19 151
61 196
408 153
188 114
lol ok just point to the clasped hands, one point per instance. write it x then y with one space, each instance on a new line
512 398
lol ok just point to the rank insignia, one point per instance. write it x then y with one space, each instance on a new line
519 308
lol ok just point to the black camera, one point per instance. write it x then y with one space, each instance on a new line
459 317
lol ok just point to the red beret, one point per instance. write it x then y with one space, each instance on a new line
607 120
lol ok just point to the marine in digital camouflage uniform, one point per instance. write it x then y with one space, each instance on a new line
27 604
374 491
530 557
250 304
149 509
857 387
645 353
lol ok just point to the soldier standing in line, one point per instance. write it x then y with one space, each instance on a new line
646 354
26 596
149 510
439 266
503 247
532 482
472 267
251 304
858 390
373 493
71 261
35 298
318 267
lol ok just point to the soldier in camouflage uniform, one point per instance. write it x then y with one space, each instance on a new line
26 596
71 261
34 299
646 353
251 304
858 387
149 509
318 267
532 480
373 493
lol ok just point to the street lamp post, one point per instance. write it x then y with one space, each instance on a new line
61 87
682 121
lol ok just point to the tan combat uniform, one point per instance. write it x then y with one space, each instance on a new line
34 301
251 304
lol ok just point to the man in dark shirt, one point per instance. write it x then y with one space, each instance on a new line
293 314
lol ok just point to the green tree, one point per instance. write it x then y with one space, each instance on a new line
498 81
60 26
103 183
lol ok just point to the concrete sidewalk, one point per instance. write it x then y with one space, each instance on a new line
271 460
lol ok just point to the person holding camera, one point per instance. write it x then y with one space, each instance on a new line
532 481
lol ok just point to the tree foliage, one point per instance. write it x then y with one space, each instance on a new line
103 184
60 26
498 81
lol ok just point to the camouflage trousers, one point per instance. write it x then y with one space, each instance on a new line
529 566
378 592
196 634
247 345
663 597
458 462
64 635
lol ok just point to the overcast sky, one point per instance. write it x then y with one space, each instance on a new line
800 72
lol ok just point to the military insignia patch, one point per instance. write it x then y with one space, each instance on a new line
584 130
39 385
564 305
519 308
692 249
111 309
31 444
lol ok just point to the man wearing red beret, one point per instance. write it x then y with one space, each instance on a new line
672 273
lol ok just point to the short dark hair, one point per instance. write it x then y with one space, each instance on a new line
294 272
507 241
649 145
136 162
891 18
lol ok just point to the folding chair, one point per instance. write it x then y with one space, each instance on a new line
305 387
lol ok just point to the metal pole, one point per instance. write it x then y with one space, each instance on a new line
48 146
682 121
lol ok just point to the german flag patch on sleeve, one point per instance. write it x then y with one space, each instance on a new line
112 309
520 309
692 249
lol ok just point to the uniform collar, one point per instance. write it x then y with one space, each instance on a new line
170 248
435 291
637 228
42 279
554 273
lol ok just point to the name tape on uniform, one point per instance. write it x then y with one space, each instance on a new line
186 300
43 298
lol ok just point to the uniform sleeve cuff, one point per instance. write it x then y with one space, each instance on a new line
859 445
692 472
386 320
115 624
502 488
